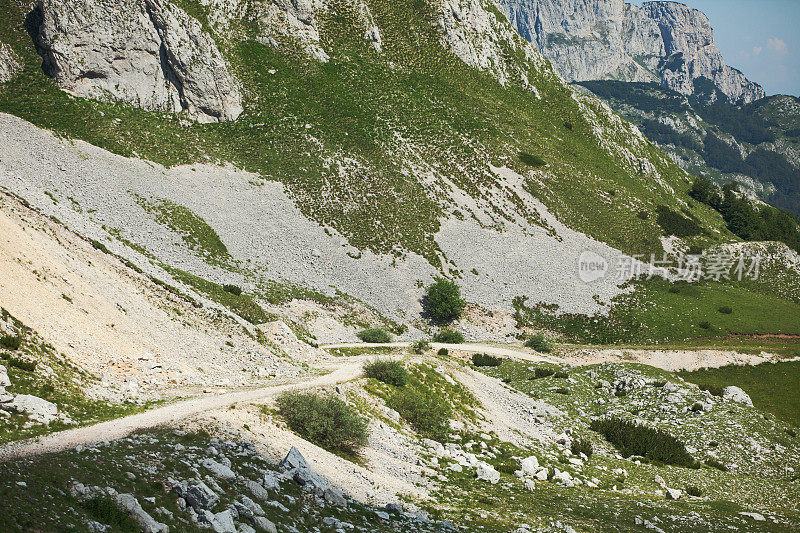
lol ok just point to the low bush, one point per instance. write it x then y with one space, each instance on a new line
531 160
539 343
696 492
644 215
374 335
11 342
424 410
673 223
233 289
561 375
449 336
706 325
540 373
713 389
562 390
482 359
631 438
324 420
581 446
725 310
420 347
390 372
22 364
442 351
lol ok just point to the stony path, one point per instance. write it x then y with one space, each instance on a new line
121 427
516 353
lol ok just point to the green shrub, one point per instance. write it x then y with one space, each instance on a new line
531 160
659 384
631 438
541 372
425 411
105 511
713 389
581 446
22 364
233 289
673 223
443 302
539 343
692 490
11 342
725 310
561 375
706 325
442 351
420 347
562 390
449 336
791 432
374 335
324 420
390 372
482 359
644 215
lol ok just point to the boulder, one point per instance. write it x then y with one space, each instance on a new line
219 470
294 460
4 380
264 524
221 522
259 492
673 494
486 472
735 394
38 409
529 465
199 496
129 504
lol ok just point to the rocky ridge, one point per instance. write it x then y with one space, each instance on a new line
9 63
665 42
148 53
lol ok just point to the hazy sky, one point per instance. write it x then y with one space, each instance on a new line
759 37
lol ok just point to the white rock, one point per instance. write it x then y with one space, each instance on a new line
735 394
486 472
530 465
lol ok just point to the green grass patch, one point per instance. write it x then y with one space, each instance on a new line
773 387
680 312
240 304
449 336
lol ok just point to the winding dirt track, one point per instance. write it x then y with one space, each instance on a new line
346 370
121 427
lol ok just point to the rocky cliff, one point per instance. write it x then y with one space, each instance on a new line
148 53
664 42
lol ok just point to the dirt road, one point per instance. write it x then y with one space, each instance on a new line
120 427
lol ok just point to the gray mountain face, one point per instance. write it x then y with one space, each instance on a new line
148 53
9 65
664 42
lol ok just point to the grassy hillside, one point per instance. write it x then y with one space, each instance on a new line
659 311
372 144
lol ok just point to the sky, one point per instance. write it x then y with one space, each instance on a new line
759 37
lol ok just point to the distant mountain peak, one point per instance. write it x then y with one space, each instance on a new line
664 42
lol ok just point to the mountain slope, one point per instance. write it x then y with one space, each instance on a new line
373 141
756 145
664 42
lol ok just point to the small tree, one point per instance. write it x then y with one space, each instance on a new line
443 302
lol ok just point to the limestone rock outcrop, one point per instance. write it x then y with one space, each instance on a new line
664 42
147 53
9 63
